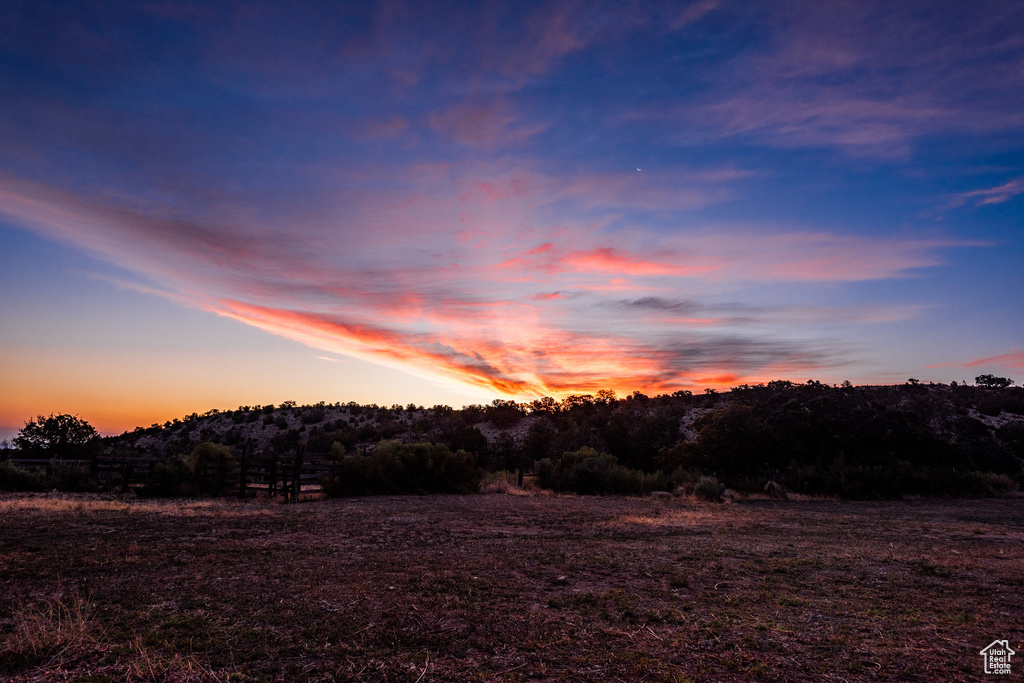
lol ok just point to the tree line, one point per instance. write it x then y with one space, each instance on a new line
855 442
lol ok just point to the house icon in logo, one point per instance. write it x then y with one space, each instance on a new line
997 657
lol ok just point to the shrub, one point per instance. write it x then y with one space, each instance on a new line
709 488
189 474
590 472
314 415
397 468
172 477
59 475
986 484
14 478
501 481
69 476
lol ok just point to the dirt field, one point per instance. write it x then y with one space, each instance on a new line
501 587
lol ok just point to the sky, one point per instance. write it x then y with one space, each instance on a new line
214 204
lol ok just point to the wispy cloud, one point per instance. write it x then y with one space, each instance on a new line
1013 359
533 319
869 78
456 192
484 124
993 195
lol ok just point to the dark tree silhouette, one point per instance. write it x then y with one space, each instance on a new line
56 436
992 381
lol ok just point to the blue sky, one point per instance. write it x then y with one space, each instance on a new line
218 204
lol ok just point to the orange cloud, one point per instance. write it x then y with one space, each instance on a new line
478 290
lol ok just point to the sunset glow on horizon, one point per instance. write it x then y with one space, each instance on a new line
206 205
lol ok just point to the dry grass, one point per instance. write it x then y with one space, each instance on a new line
49 629
505 587
506 483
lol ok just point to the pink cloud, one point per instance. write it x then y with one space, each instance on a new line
487 124
694 12
523 308
823 257
1014 359
993 195
611 260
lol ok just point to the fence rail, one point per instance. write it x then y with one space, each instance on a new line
290 474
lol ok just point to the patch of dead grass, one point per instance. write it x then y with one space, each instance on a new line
504 587
48 632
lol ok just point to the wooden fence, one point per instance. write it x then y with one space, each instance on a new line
291 474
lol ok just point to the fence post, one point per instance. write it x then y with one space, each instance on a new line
126 476
272 475
243 475
297 474
218 482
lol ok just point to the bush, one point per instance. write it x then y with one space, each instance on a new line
590 472
501 481
987 484
312 416
69 476
189 474
172 477
59 475
398 468
14 478
709 488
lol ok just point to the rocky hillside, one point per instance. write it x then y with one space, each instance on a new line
811 436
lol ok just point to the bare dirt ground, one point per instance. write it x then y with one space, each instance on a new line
507 588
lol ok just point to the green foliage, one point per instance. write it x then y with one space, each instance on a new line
503 414
188 474
1003 400
58 474
313 415
590 472
207 456
731 441
14 478
398 468
918 438
709 488
69 476
56 436
172 477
